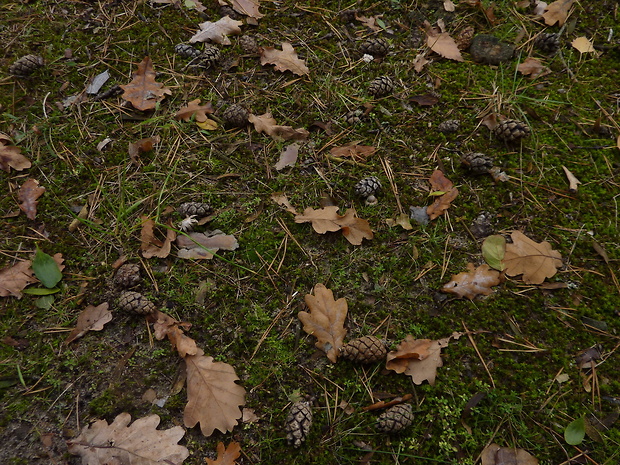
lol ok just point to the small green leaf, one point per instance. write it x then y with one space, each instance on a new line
44 302
436 193
575 432
46 269
493 251
40 291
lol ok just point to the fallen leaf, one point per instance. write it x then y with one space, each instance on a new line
583 45
358 153
288 157
213 397
150 245
476 281
217 31
248 8
226 456
325 321
90 319
10 156
494 250
28 195
418 358
143 92
142 146
420 62
425 100
14 279
284 60
557 12
139 444
205 245
283 201
575 432
267 124
327 219
533 68
47 269
573 182
535 261
442 184
441 43
496 455
166 326
193 5
355 229
193 108
370 22
448 5
207 125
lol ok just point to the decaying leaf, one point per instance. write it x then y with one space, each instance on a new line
28 195
10 155
143 92
284 60
573 182
204 245
358 153
327 219
217 31
425 100
226 455
288 157
150 245
583 45
533 68
535 261
166 326
193 108
325 321
371 22
440 183
267 124
418 358
557 12
14 279
213 397
248 8
496 455
90 319
476 281
441 43
283 201
494 250
142 146
139 444
420 62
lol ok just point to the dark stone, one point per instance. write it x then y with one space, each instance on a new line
488 49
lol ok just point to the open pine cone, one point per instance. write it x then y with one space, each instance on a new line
298 422
26 65
131 301
127 276
367 349
395 419
511 130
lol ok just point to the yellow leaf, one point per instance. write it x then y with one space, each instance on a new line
207 124
583 45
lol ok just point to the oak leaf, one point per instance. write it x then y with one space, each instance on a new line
325 321
90 319
285 59
213 397
143 92
142 146
267 124
327 219
356 152
535 261
533 68
282 200
418 358
10 155
217 31
248 8
14 279
441 184
288 157
28 195
193 108
557 12
226 455
476 281
441 43
150 245
166 326
205 245
496 455
139 444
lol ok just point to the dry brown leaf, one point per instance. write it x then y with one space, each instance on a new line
139 444
533 68
583 45
204 245
325 321
496 455
248 8
267 124
142 146
358 153
285 59
441 184
143 92
28 195
283 201
327 219
420 62
535 261
90 319
557 12
10 155
418 358
425 100
14 279
288 157
166 326
476 281
213 398
150 245
369 22
226 456
441 43
573 182
217 31
355 229
193 108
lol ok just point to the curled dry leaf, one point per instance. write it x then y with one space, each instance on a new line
143 92
283 201
284 60
496 455
150 245
204 245
166 326
193 108
476 281
327 219
535 261
441 184
28 195
248 8
213 397
288 157
325 321
90 319
557 12
10 155
139 444
267 124
441 43
217 31
226 455
142 146
418 358
358 153
573 182
14 279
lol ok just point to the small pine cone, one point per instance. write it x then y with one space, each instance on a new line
367 349
547 42
210 55
381 86
511 130
197 209
236 115
187 51
368 186
477 163
298 423
353 117
376 47
127 276
395 419
448 126
464 38
131 301
26 65
249 44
